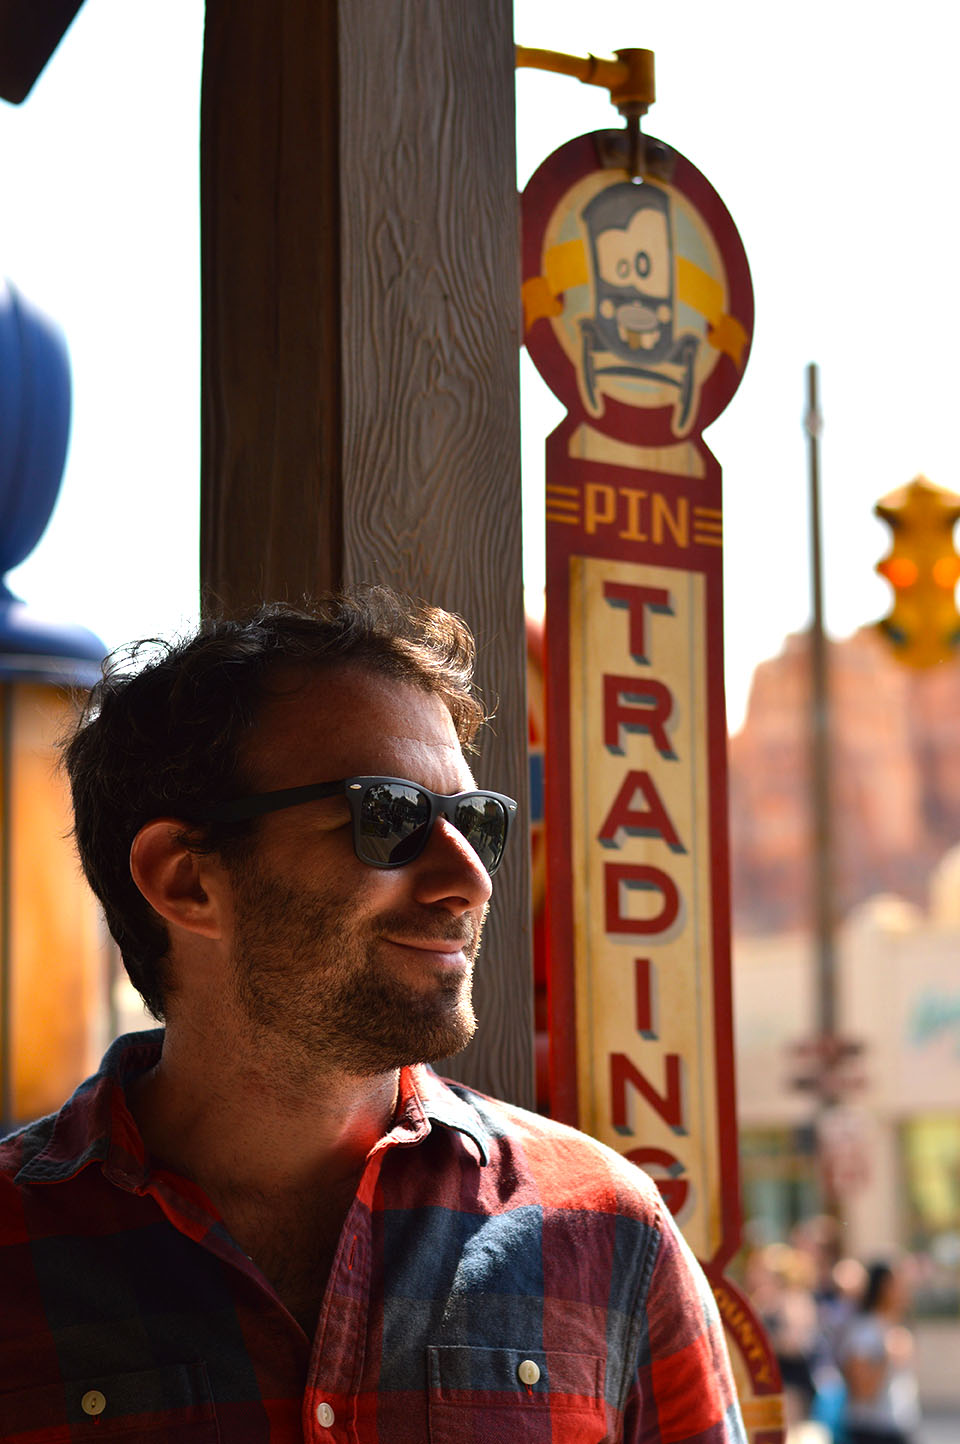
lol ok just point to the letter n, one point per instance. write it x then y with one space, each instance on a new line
668 1104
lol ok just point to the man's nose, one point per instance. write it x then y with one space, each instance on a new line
449 872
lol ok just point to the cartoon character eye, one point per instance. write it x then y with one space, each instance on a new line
648 241
637 255
615 258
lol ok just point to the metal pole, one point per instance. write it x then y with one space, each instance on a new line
820 754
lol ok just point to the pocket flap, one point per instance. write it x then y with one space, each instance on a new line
458 1374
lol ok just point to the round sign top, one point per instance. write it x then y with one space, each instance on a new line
638 305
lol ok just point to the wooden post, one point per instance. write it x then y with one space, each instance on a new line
270 266
360 332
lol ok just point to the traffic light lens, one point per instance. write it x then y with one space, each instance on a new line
946 572
900 572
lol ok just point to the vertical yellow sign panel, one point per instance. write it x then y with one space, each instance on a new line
642 906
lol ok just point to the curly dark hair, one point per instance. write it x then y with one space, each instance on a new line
161 733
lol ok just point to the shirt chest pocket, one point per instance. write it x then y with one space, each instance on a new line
515 1397
152 1406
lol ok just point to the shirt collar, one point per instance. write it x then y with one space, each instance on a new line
95 1125
443 1102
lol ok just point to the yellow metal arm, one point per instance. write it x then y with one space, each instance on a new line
629 78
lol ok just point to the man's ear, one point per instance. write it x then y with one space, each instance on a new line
184 887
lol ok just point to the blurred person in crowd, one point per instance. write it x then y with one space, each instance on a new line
837 1287
837 1283
780 1283
876 1356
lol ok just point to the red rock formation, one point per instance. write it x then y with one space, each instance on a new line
895 781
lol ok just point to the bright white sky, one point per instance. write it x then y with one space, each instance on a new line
829 131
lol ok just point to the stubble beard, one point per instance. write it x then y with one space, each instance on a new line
315 994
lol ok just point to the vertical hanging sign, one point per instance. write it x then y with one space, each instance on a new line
638 313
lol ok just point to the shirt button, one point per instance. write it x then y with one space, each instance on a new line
528 1372
93 1402
325 1415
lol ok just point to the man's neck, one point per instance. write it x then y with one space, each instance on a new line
236 1122
279 1162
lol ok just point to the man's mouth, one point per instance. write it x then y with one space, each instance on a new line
438 933
453 951
433 945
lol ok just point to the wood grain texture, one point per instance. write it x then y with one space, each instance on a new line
270 468
430 449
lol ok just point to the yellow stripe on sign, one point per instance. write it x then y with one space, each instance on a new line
705 294
697 289
566 266
763 1412
537 301
728 336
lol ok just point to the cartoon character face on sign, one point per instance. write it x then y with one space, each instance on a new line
632 331
638 308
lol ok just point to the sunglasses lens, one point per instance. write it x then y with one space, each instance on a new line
483 822
392 825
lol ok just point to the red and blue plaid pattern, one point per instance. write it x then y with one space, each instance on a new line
499 1278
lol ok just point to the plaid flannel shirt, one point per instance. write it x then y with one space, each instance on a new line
499 1278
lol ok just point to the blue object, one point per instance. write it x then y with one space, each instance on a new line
33 648
34 424
34 427
830 1403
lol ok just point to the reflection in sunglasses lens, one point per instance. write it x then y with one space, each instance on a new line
483 823
390 817
394 821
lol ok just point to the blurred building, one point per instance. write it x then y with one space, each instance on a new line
890 1151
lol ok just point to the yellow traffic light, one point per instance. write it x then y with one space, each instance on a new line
923 568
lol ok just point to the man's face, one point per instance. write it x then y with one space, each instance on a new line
336 962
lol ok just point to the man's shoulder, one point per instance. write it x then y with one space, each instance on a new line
20 1146
56 1147
570 1168
17 1151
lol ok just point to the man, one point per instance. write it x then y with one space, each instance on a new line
270 1221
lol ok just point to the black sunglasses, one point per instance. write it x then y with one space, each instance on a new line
392 818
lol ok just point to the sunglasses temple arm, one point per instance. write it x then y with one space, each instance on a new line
244 808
